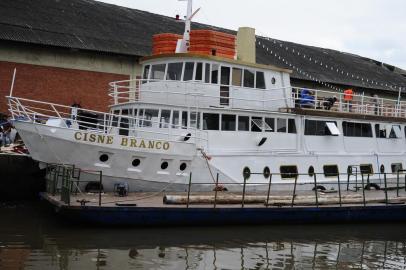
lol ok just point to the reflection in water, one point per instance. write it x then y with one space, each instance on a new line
31 238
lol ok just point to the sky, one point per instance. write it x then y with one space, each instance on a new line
370 28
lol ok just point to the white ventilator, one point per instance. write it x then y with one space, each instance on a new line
183 44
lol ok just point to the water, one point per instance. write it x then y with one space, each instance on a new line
32 238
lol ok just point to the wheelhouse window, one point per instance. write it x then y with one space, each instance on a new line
271 123
243 123
207 73
351 129
149 117
288 172
175 119
249 78
188 74
211 121
321 128
228 122
330 170
281 125
184 119
165 119
199 72
158 72
214 73
225 76
146 72
255 121
195 120
237 76
174 71
260 80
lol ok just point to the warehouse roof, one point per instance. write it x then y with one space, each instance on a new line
96 26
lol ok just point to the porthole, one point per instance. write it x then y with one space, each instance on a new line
136 162
311 171
246 173
104 158
273 80
164 165
183 166
382 168
267 172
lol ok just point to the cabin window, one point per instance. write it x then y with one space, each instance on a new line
260 80
396 167
281 125
114 120
150 118
211 121
225 76
199 72
174 71
123 126
188 74
380 131
273 80
321 128
175 119
195 120
395 132
330 170
158 72
237 76
388 131
254 125
228 122
215 73
165 119
366 169
184 120
291 126
351 129
288 172
243 123
207 73
146 72
249 78
271 123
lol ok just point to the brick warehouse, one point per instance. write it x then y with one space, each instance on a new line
68 51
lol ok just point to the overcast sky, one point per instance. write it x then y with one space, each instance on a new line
371 28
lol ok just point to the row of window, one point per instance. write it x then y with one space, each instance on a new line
137 162
351 129
207 121
206 72
291 171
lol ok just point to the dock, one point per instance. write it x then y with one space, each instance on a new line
346 204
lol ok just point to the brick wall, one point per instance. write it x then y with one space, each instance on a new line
57 85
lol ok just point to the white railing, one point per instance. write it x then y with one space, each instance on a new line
193 93
46 113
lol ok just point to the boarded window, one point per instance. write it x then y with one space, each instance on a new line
288 172
330 170
237 76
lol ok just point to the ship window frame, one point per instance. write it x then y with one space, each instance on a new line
194 120
145 76
204 121
318 128
334 170
234 74
189 72
292 128
357 131
254 126
181 71
285 127
263 83
164 71
207 72
249 83
288 174
394 167
173 124
271 123
370 170
224 68
164 124
197 71
248 121
184 119
213 72
223 122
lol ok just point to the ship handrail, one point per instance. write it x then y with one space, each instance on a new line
21 110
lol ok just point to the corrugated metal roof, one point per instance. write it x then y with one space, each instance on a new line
96 26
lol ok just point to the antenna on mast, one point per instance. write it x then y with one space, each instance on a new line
183 44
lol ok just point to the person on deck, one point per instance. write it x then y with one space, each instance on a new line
329 102
348 96
306 99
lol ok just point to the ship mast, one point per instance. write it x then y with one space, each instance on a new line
184 43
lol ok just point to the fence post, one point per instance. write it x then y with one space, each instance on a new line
243 192
294 192
386 189
215 190
397 184
363 189
269 190
188 191
315 189
339 189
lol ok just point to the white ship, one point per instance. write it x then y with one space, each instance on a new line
209 115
